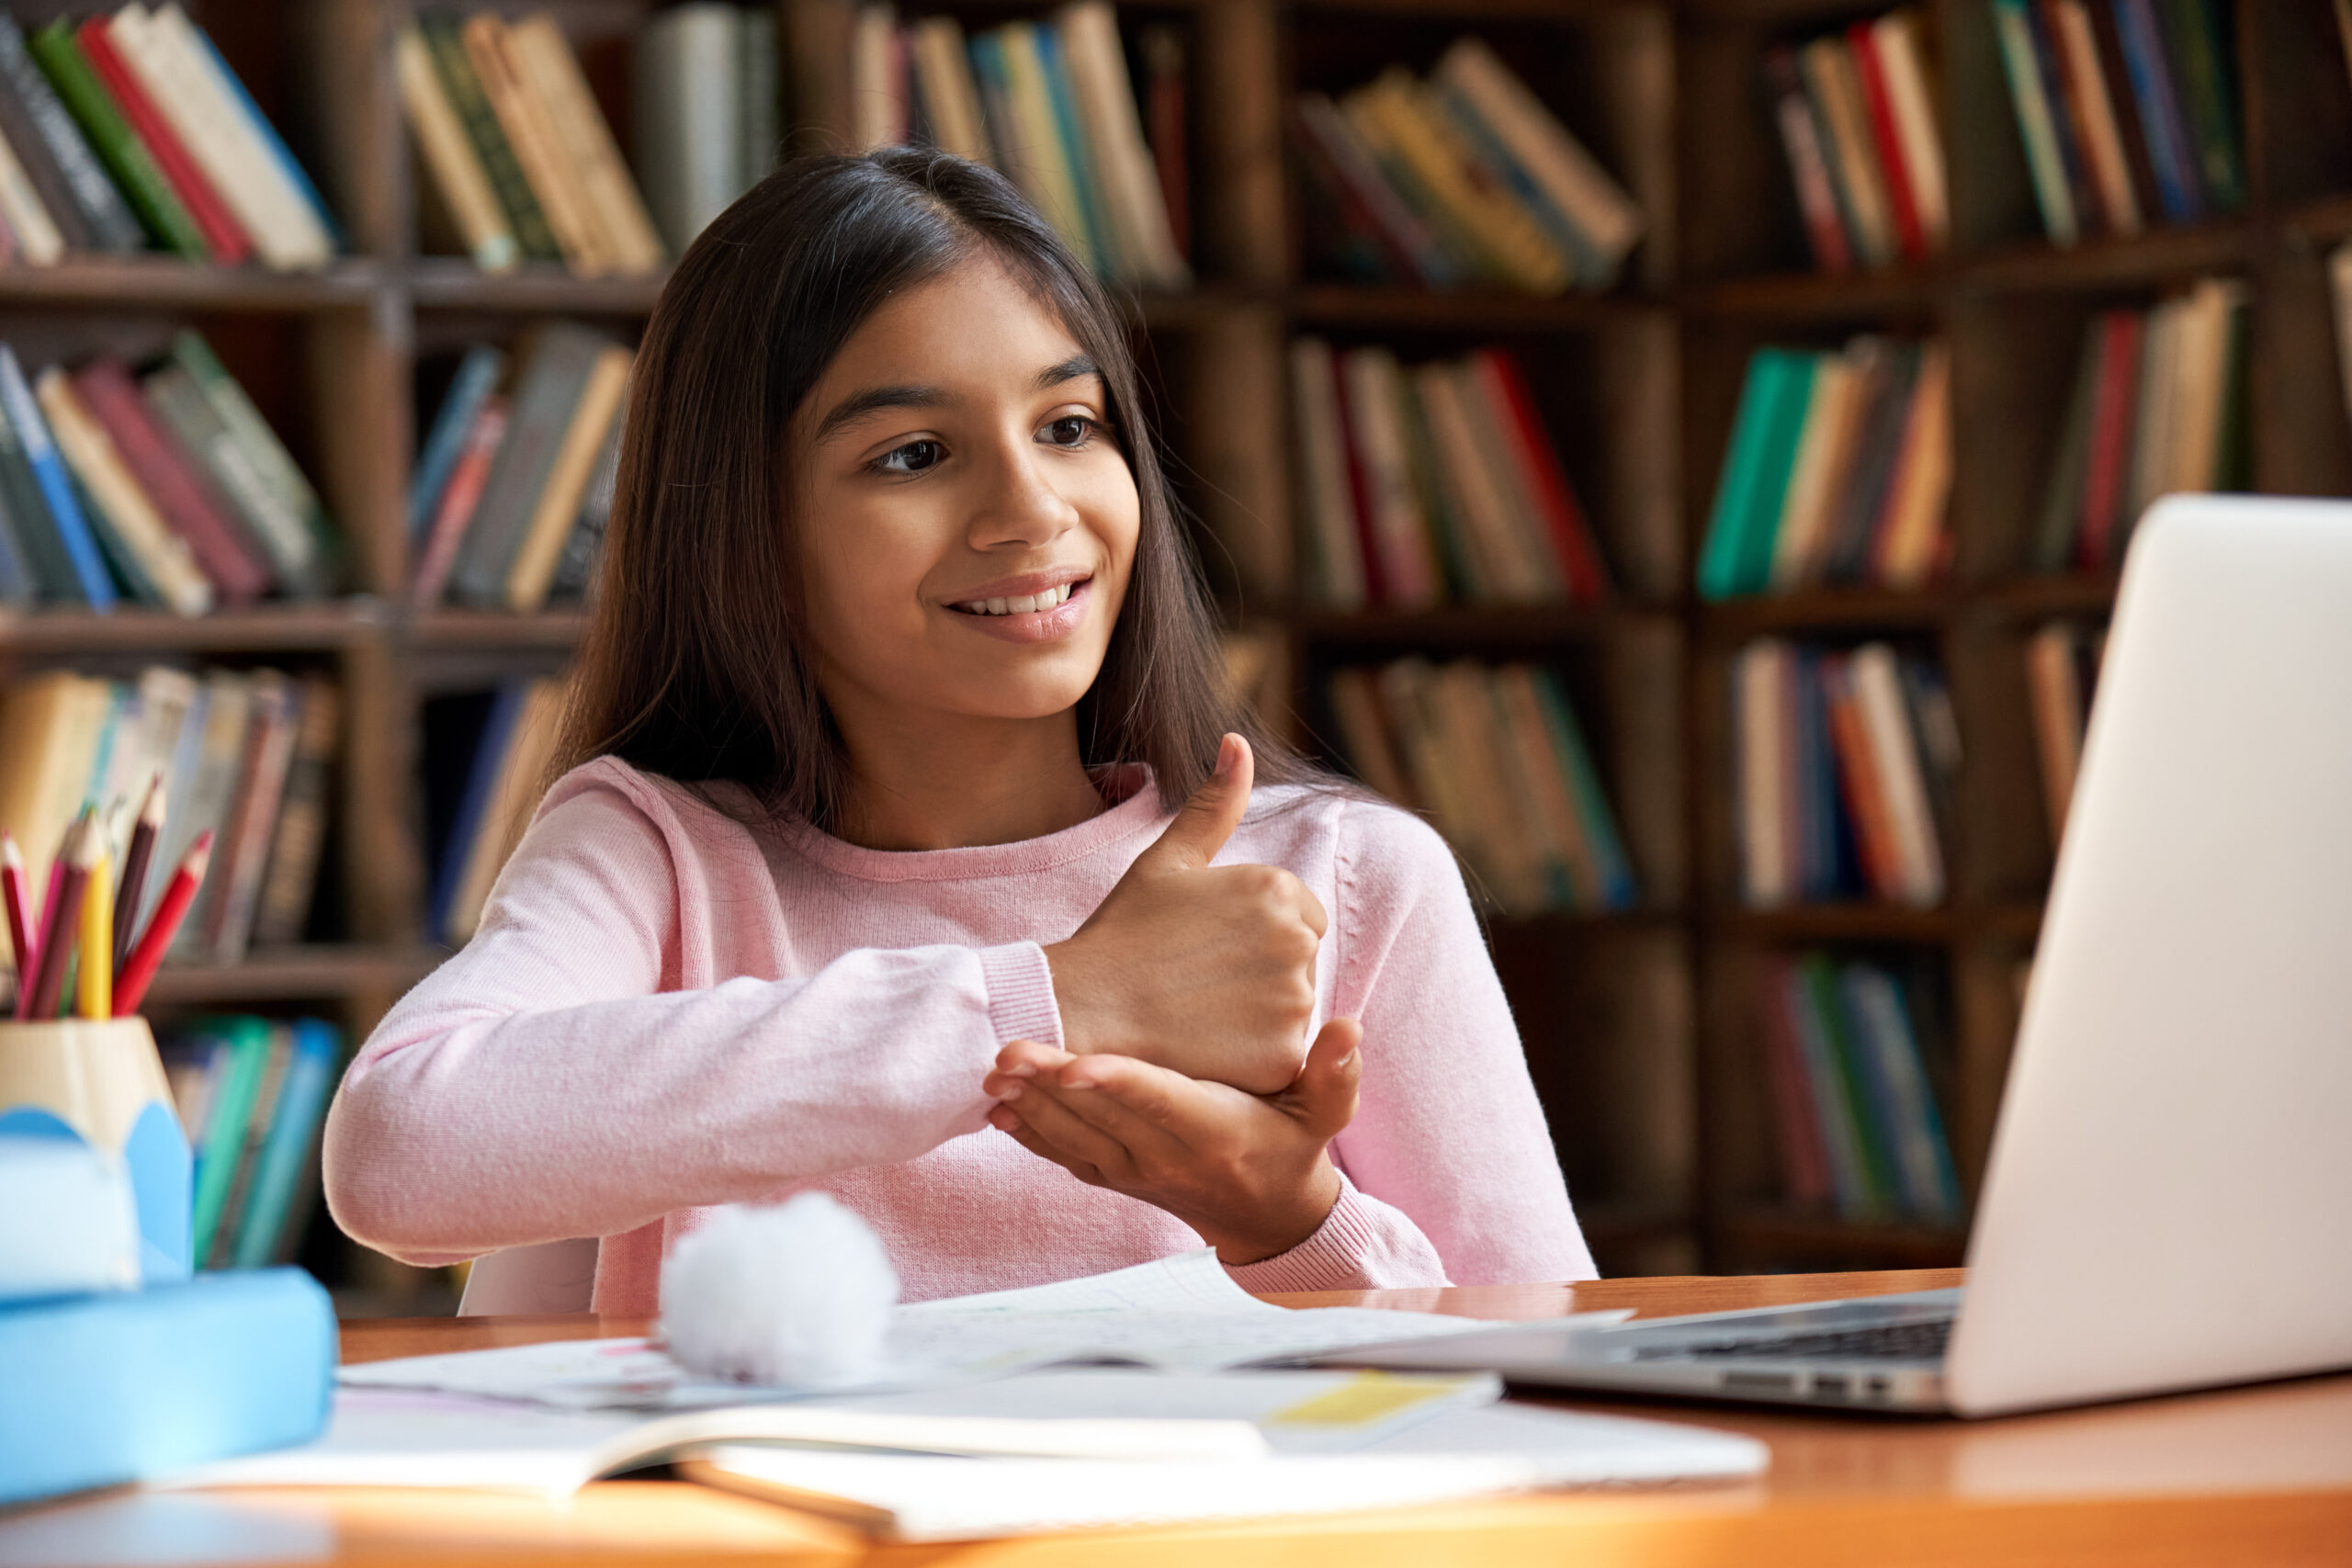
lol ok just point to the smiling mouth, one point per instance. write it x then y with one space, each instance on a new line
1027 603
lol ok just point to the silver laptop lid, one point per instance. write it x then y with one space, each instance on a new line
2169 1198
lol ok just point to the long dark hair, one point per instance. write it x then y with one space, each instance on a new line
696 664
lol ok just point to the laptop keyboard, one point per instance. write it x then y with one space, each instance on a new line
1885 1341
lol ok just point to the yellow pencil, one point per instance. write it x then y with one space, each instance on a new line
96 980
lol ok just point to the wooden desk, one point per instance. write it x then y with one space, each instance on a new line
2260 1475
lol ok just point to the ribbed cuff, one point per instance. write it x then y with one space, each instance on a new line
1331 1259
1021 994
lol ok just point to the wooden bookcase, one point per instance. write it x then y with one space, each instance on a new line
1640 1026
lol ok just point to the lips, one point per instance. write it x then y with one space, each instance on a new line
1036 613
1022 604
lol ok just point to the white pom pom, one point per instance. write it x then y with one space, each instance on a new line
797 1295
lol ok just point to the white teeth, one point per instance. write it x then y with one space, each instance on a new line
1020 606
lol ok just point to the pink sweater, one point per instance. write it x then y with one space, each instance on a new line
664 1010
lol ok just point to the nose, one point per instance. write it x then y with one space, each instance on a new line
1019 507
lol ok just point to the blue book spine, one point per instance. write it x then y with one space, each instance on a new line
2162 128
56 484
476 374
135 1385
293 1128
17 584
267 132
1902 1104
1078 153
481 777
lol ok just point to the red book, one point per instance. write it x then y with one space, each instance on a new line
1909 233
1804 1164
2113 414
223 235
468 475
1376 591
1548 481
1858 783
177 487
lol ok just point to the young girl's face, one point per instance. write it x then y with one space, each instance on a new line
968 521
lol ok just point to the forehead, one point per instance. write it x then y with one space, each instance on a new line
975 325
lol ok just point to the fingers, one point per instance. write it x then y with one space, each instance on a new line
1018 1063
1036 1146
1324 1095
1044 1115
1148 1110
1208 817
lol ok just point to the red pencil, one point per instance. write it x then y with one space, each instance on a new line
83 843
12 893
133 889
130 985
35 949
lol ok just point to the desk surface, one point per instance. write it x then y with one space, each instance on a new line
2242 1476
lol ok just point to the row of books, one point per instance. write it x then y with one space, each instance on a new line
698 145
1495 757
1838 470
2062 661
1433 483
1050 105
251 1095
162 486
2127 109
2159 404
1852 1093
1858 126
1466 178
245 755
486 760
1845 764
514 484
520 155
125 131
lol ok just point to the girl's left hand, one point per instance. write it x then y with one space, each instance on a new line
1252 1174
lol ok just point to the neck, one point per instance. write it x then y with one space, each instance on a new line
944 783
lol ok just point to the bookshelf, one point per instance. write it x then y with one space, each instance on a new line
1639 1023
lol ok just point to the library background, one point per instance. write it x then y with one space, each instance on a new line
1684 450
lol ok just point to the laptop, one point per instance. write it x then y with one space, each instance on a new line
2168 1201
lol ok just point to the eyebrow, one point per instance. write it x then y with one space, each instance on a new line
875 399
1069 370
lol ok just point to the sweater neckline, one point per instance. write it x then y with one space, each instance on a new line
1134 807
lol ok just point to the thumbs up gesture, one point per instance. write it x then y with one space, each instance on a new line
1203 969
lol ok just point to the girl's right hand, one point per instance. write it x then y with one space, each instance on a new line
1207 970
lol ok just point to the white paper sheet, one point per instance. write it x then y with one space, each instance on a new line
1177 1313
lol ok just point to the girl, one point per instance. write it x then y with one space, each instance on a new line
868 873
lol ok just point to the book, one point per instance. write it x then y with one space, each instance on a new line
2197 40
238 1051
550 376
125 157
1823 453
2037 123
1510 406
1804 1157
551 76
1735 555
74 185
122 509
49 727
2098 132
454 65
1902 1101
689 140
451 158
1366 738
1801 142
241 853
133 98
557 508
31 436
502 792
283 513
1911 541
2060 521
315 1061
32 232
188 506
478 375
1508 240
1807 999
1168 119
575 569
1887 138
1397 529
245 1153
1136 210
2060 701
2163 127
19 585
212 773
459 499
1895 39
1413 250
951 96
1834 86
528 126
1325 496
282 907
295 230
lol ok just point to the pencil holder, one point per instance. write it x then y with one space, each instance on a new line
101 1082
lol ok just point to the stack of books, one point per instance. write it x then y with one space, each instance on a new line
1858 127
698 145
1050 105
1495 756
164 486
521 158
1838 471
125 131
1846 763
1465 178
2159 404
2061 663
514 484
1434 483
486 761
2127 109
245 755
1851 1092
252 1094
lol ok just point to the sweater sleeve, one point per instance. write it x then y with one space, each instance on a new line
552 1080
1449 1150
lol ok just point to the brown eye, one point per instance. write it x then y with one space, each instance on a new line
1071 430
911 459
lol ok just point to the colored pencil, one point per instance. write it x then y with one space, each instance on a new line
147 956
28 980
94 987
12 893
134 887
83 844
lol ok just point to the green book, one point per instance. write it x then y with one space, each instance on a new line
1446 529
1737 510
126 157
297 534
2197 37
444 41
243 1052
1873 1139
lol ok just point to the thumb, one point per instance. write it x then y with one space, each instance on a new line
1208 817
1325 1090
